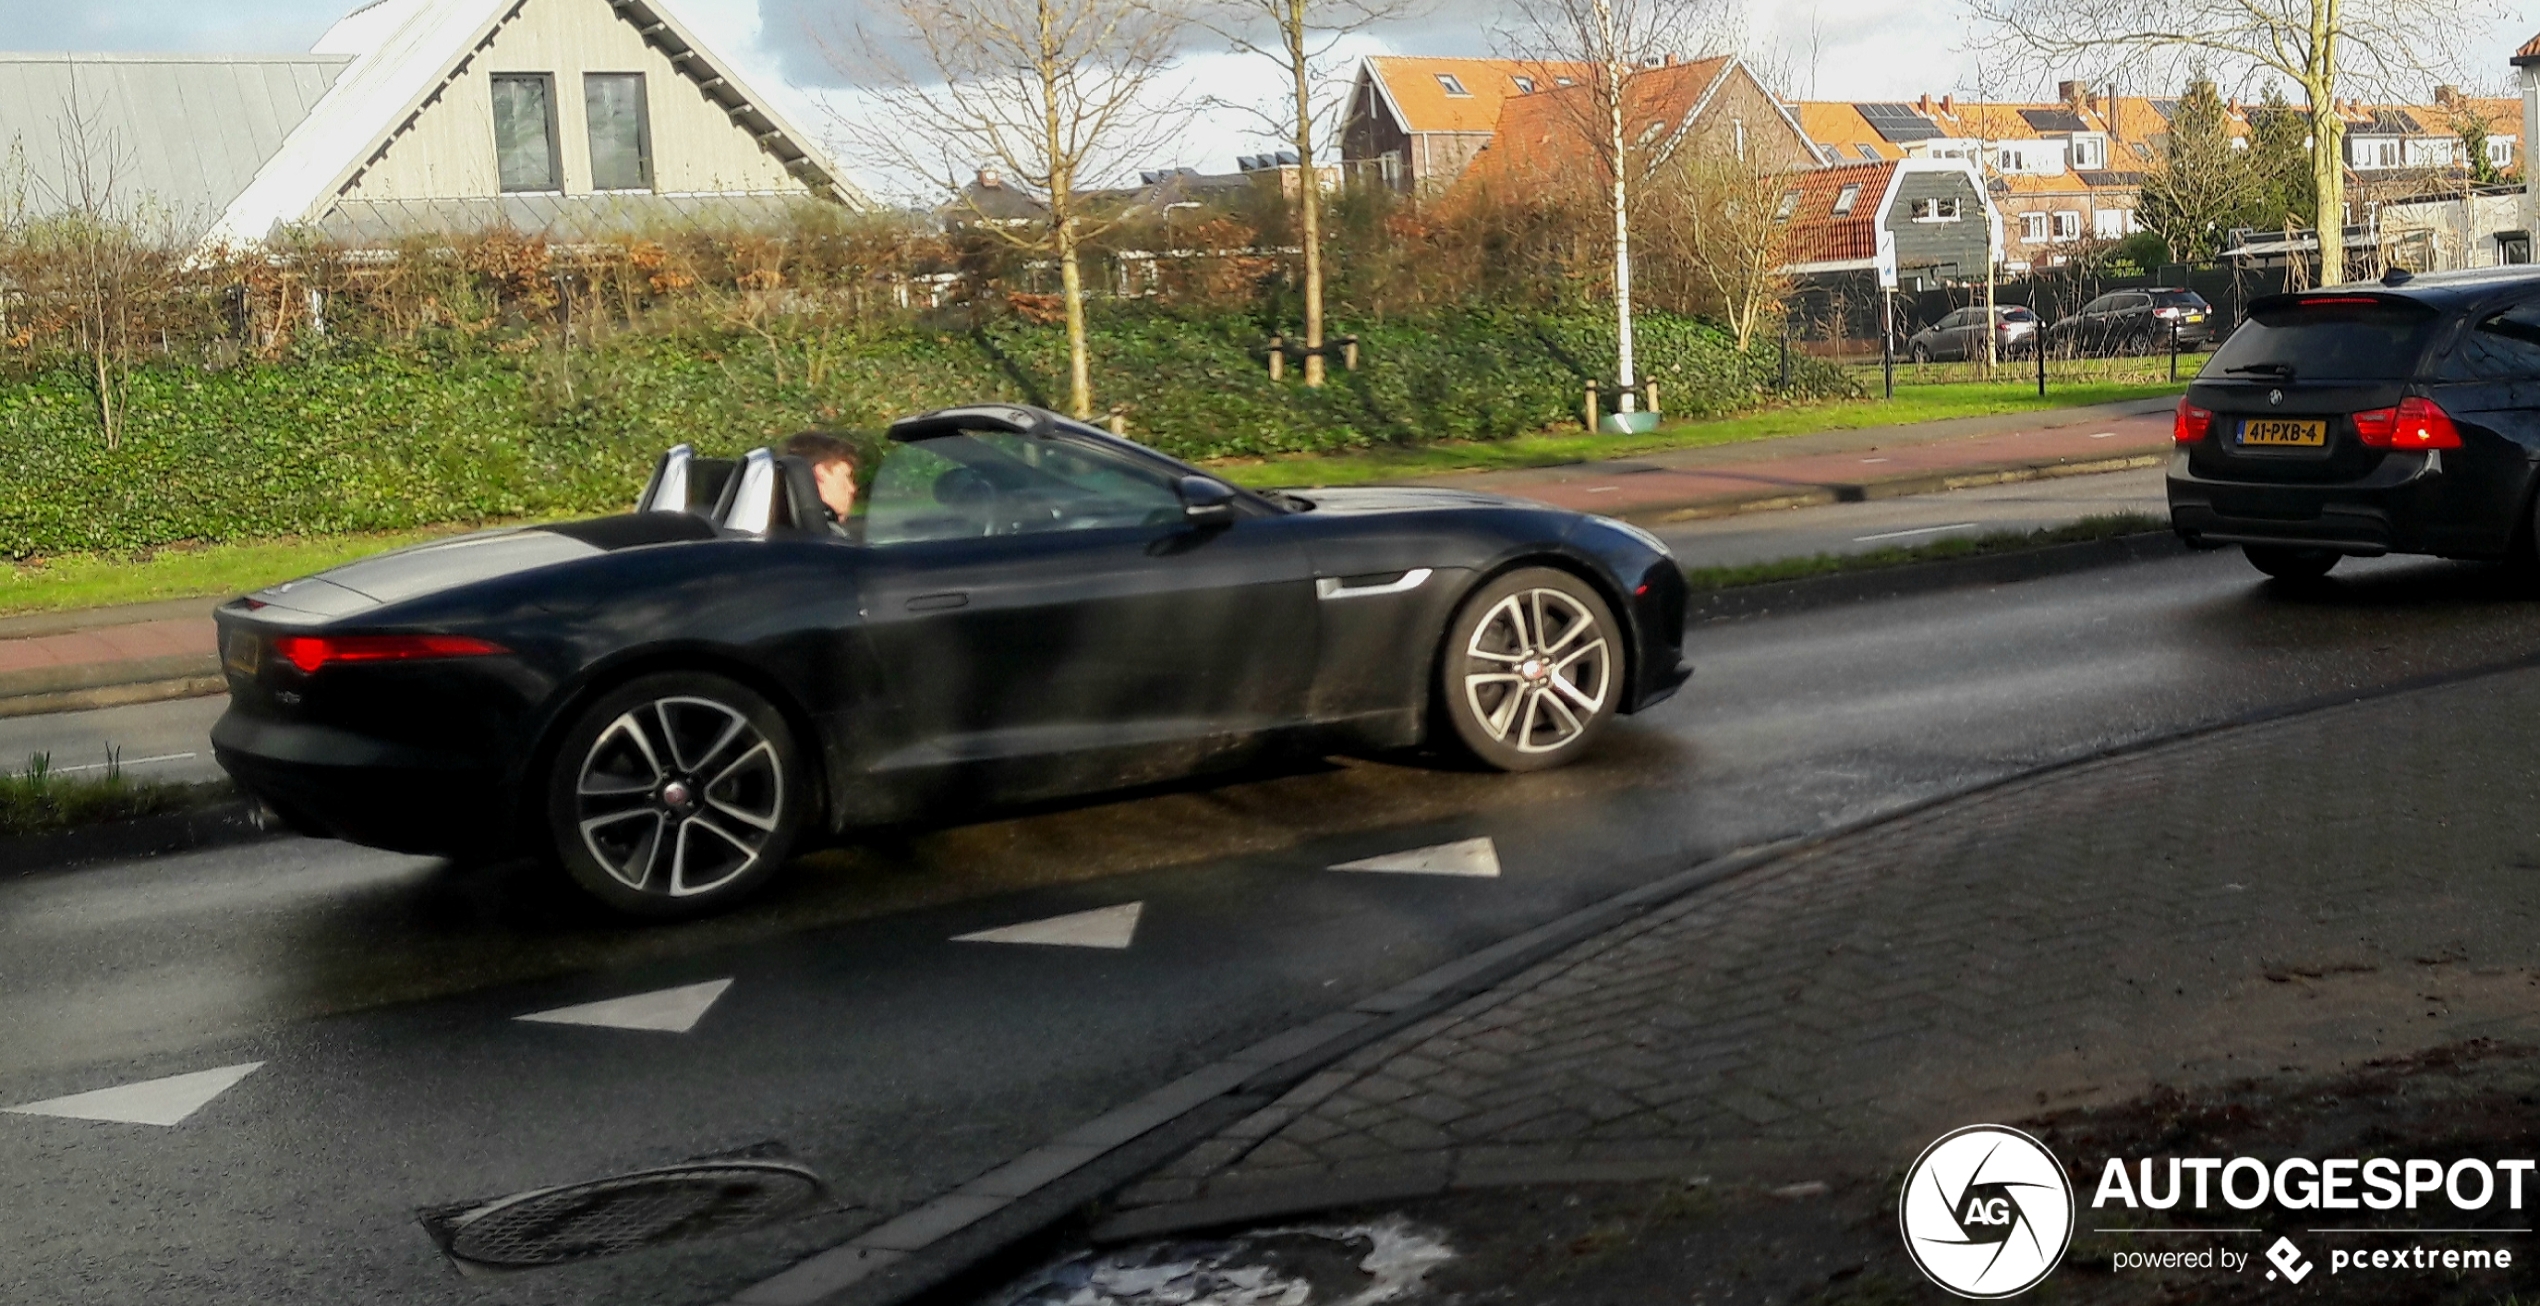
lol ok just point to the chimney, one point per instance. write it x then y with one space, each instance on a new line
1949 105
1671 61
2448 97
1924 104
2069 92
990 178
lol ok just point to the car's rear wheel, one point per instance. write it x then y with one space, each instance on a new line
674 794
1921 353
2285 562
1532 670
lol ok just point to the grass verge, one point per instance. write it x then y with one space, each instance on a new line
97 580
41 800
1969 546
1913 403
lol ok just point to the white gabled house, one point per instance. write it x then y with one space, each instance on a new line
569 117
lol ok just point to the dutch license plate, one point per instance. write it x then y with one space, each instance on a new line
2284 432
243 653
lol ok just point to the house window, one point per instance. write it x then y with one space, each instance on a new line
621 139
1845 198
525 131
1868 151
2500 151
2376 154
2089 152
1453 87
2068 225
2032 226
2012 160
1936 210
1525 85
1789 205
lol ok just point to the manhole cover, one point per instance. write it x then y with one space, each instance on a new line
624 1213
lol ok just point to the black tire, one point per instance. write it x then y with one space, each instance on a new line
1919 353
712 765
1531 670
2288 563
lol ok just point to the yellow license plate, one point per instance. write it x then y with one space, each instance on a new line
2284 432
243 653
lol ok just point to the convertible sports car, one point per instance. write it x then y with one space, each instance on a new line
1026 607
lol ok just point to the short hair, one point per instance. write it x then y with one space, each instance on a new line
818 447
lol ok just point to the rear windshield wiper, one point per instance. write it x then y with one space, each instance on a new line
2284 370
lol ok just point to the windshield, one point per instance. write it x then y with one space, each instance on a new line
2179 299
2326 338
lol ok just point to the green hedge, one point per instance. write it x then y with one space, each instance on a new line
358 439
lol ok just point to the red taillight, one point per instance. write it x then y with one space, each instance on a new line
2338 301
2165 313
2191 423
2417 423
310 652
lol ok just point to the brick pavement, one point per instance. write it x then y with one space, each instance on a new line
2300 896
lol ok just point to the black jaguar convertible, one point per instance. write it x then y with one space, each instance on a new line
663 702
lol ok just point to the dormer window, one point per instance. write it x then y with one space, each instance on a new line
2089 152
1844 199
1525 85
1452 86
1867 150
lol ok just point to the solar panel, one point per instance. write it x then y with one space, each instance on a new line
1897 123
2165 108
2054 120
2396 122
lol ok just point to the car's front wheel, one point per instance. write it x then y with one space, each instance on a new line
1532 670
674 794
1920 353
2287 563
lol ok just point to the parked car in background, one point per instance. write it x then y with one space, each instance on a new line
2135 322
1961 335
2388 417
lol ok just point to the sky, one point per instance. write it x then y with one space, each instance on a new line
1829 49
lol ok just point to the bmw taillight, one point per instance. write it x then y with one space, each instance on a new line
309 653
2191 423
2417 423
2165 313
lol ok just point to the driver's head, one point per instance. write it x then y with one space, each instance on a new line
833 468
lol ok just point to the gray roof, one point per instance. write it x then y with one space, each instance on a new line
178 135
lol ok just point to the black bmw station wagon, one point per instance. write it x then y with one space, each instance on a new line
2397 416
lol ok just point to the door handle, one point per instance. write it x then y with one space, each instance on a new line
945 601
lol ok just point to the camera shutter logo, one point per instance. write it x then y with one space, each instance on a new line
1987 1212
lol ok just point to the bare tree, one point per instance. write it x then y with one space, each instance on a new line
1613 42
1725 213
2329 48
1060 95
1298 36
82 246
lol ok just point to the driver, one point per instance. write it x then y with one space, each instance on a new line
833 470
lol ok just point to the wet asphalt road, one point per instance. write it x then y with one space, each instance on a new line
379 992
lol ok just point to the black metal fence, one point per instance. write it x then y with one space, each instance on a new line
1842 315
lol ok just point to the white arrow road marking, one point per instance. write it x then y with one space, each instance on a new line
672 1011
151 1102
1463 857
1103 927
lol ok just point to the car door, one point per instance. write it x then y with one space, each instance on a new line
1049 621
1949 336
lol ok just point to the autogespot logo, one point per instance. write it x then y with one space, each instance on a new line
1987 1212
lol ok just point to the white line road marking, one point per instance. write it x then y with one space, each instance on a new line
1919 530
1877 460
1475 857
1603 489
126 764
151 1102
2103 435
671 1011
1103 927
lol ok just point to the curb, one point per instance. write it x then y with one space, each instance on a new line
1812 592
114 695
235 821
1900 487
996 1223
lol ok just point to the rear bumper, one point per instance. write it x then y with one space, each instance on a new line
363 790
2403 507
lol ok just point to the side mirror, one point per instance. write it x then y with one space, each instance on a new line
1207 502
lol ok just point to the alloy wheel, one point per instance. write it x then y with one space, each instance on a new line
679 796
1538 672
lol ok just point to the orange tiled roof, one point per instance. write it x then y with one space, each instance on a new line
1414 85
2529 53
1543 134
1820 235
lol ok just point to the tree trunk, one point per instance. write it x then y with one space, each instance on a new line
1309 200
2328 132
1623 360
1080 369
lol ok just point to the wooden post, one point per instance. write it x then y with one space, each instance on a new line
1119 424
1588 408
1649 395
1349 352
2037 346
1278 357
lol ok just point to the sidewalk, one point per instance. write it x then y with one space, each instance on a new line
2323 924
103 657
